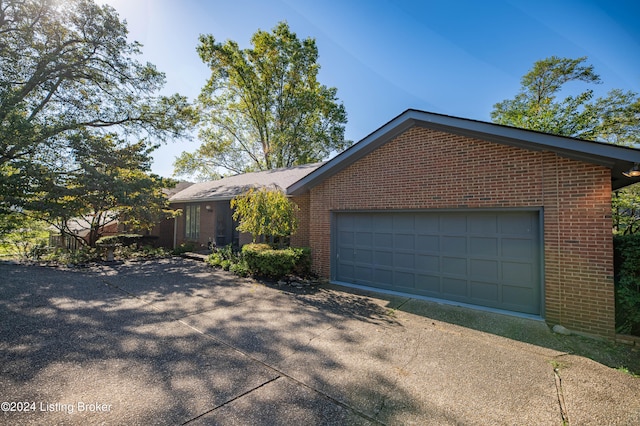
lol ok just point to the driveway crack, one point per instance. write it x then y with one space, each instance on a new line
232 399
561 402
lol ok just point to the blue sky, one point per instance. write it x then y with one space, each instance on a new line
385 56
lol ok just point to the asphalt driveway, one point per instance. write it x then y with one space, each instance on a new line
175 342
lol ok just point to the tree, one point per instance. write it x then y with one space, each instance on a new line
613 118
264 212
66 69
263 108
108 182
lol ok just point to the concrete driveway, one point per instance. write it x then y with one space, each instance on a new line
175 342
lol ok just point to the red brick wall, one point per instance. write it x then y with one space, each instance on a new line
301 237
426 169
207 224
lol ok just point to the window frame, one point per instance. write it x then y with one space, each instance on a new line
192 221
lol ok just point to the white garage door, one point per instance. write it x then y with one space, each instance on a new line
483 258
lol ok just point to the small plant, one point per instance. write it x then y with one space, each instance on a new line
184 248
265 261
241 269
267 213
223 257
628 284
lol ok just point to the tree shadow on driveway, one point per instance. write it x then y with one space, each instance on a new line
117 344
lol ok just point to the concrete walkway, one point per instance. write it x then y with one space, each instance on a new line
175 342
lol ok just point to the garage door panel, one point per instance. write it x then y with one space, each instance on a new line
364 239
383 258
454 287
427 243
404 279
513 223
453 223
487 291
383 275
454 265
425 262
404 241
428 284
346 255
486 269
428 224
383 222
363 273
483 246
518 248
518 299
347 238
383 239
404 260
403 223
517 272
363 223
484 223
364 256
484 258
451 244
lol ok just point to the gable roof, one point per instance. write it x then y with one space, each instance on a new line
618 158
170 192
229 187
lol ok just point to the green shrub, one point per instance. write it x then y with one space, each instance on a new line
72 257
262 260
241 268
145 252
184 248
121 240
223 257
627 248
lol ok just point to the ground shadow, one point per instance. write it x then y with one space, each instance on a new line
614 355
112 334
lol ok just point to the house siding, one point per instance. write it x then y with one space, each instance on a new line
207 225
426 169
301 237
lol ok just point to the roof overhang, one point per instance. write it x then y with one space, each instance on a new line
617 158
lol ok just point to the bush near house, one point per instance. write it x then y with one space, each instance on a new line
262 260
627 266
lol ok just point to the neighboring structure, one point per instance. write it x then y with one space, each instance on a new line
79 229
474 213
206 213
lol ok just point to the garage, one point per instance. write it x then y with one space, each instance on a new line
485 258
471 212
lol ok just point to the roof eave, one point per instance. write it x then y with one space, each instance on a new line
615 157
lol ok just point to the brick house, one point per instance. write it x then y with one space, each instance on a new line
206 212
473 213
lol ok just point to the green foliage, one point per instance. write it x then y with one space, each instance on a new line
145 252
627 249
613 118
262 260
71 257
223 257
240 268
626 210
263 108
22 237
184 248
107 181
263 212
125 240
68 76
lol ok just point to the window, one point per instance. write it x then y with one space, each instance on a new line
192 221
